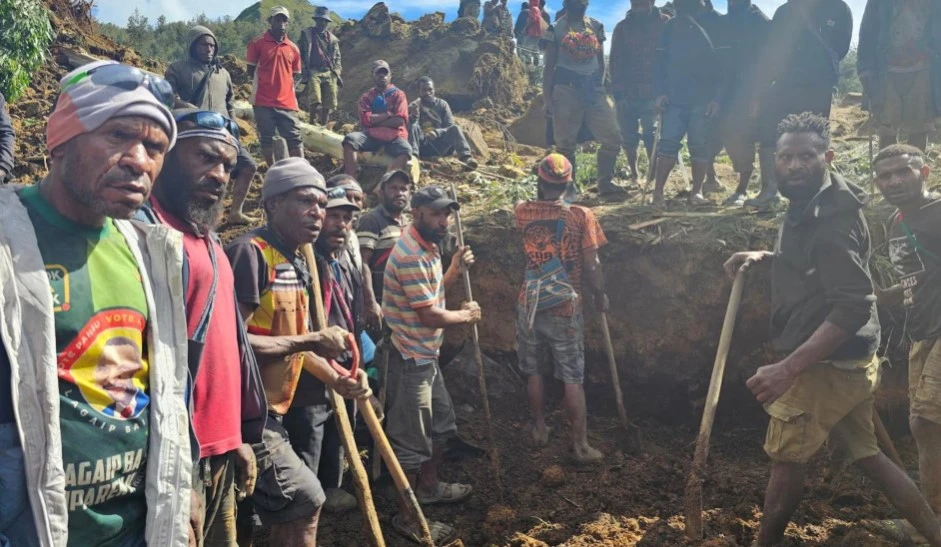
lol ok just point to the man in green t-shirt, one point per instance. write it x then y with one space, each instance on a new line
120 473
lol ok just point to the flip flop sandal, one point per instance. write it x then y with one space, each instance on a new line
446 492
441 533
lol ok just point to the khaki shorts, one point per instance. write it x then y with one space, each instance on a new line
924 379
828 400
909 103
323 90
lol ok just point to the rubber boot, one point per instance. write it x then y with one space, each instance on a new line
606 186
768 197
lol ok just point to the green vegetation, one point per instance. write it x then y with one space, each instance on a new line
25 33
301 11
849 81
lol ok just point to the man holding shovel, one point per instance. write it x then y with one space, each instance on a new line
561 243
827 332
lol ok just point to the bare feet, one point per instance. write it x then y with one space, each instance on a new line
698 199
658 202
540 435
587 454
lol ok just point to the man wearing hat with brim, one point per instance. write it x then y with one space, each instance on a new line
420 417
274 64
383 115
274 288
92 329
322 66
561 244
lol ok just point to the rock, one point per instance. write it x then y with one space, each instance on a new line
482 104
553 475
520 539
530 128
377 23
499 514
475 138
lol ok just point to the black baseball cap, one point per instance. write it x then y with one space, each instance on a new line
434 197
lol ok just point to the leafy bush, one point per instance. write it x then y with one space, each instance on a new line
25 33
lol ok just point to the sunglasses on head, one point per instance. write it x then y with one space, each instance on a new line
126 77
336 193
211 120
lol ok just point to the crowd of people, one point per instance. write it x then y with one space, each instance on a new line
173 390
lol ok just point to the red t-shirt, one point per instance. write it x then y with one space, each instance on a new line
217 395
397 105
275 64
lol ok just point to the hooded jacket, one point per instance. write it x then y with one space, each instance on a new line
6 139
821 272
27 300
872 54
186 75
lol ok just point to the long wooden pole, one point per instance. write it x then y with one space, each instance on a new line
481 379
698 470
632 430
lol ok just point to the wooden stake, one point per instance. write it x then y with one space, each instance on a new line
632 430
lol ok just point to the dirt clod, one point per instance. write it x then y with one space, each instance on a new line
553 475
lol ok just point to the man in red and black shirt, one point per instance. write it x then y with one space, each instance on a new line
229 408
274 64
383 113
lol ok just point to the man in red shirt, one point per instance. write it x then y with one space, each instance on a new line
274 64
187 197
383 113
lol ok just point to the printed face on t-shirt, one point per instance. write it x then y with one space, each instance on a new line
118 363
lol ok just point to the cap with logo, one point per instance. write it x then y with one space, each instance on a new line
336 197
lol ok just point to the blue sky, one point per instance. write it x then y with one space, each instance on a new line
608 11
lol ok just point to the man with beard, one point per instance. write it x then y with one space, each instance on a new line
229 407
561 243
313 428
915 250
420 418
77 275
383 115
826 331
573 90
204 83
378 233
274 290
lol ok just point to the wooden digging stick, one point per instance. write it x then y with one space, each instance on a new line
383 380
494 454
632 430
698 470
343 421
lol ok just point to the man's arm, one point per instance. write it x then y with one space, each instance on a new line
447 117
229 96
843 33
601 60
866 49
304 46
7 137
618 78
328 342
251 58
438 318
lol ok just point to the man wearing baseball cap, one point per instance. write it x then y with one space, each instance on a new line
561 244
322 66
274 288
94 440
274 64
420 417
383 114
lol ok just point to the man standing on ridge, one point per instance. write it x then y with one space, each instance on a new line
274 64
322 66
204 83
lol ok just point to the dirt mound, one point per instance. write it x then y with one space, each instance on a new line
465 63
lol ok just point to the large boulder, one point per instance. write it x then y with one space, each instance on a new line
465 63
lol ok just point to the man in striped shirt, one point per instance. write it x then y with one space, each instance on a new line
420 414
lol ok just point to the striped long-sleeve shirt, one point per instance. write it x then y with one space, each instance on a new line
413 280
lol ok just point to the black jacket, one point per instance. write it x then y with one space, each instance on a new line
6 139
691 64
746 32
872 53
821 272
806 50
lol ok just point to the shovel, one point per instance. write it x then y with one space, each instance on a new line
698 470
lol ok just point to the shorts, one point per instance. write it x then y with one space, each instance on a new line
316 439
419 411
553 339
17 528
286 490
271 121
218 498
572 108
924 380
634 116
324 89
908 104
828 400
245 161
782 102
361 142
689 121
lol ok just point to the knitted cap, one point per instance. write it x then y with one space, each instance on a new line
555 169
290 174
85 106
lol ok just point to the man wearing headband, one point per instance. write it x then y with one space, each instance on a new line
274 290
561 243
229 407
85 277
202 81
